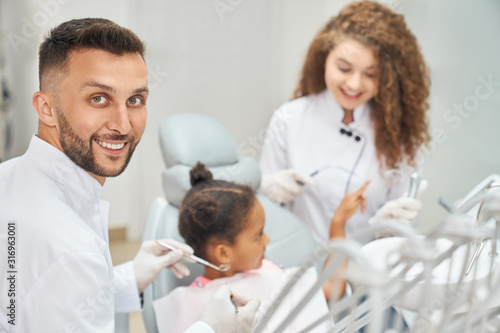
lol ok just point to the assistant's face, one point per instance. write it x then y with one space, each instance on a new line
351 74
101 110
248 251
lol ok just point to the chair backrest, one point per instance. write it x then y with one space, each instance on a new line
186 139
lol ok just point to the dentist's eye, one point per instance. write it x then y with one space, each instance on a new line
135 101
99 99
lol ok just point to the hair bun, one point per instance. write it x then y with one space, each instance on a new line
199 173
203 210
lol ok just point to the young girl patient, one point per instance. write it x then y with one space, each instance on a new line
224 223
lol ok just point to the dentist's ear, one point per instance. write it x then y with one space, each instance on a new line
44 105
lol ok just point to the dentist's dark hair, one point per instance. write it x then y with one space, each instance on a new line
213 210
81 34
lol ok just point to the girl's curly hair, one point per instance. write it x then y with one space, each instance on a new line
399 108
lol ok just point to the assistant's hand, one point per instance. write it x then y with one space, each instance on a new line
220 312
284 185
152 258
403 209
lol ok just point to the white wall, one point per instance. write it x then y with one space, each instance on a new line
460 41
238 65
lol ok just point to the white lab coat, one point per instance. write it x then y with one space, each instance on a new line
304 134
64 277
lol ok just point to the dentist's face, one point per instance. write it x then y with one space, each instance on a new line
101 110
351 74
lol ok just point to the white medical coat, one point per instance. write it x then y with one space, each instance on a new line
64 280
304 134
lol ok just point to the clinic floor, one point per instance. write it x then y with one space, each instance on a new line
122 251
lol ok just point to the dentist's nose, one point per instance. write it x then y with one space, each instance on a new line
119 120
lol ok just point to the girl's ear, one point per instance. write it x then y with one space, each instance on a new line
223 253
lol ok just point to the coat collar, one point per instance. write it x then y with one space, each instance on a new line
361 114
62 169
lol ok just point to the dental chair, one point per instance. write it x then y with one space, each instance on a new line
186 139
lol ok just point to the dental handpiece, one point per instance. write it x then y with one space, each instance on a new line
415 180
415 183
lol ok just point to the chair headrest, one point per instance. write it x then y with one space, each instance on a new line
186 139
189 137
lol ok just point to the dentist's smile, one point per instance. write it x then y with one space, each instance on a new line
112 148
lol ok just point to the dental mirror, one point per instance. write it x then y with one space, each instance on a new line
221 268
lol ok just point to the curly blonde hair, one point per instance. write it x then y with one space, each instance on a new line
399 108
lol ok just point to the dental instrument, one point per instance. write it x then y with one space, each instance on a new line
492 184
489 183
234 303
314 173
415 180
221 268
